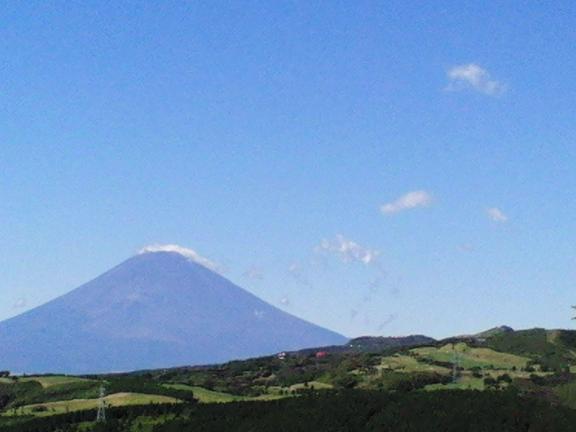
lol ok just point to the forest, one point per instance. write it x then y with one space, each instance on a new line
332 411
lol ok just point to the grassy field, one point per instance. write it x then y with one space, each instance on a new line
408 364
465 382
472 357
205 395
61 407
316 385
210 396
55 380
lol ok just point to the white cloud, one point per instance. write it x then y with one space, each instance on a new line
253 273
496 215
408 201
472 76
348 250
188 253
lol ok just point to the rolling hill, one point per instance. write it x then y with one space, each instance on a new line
513 368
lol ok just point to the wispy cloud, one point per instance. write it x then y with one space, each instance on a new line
254 273
348 250
387 320
496 215
299 274
408 201
190 254
20 303
473 77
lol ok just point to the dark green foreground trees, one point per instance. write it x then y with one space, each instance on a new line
341 411
351 411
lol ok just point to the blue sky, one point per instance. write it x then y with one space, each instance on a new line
377 167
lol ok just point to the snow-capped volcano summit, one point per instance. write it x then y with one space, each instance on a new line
190 254
163 307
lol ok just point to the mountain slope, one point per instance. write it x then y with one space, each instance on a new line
495 331
156 309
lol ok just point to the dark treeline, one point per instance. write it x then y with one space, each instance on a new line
334 411
351 411
21 393
117 418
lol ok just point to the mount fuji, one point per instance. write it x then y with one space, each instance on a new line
166 306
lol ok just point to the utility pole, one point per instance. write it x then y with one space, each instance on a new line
101 416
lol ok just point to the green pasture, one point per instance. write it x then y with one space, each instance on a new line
210 396
408 364
470 357
61 407
54 380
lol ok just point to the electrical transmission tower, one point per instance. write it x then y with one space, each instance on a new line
101 416
455 364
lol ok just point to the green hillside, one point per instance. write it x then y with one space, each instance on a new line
551 349
534 363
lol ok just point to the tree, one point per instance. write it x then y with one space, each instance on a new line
505 378
490 382
476 372
345 381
